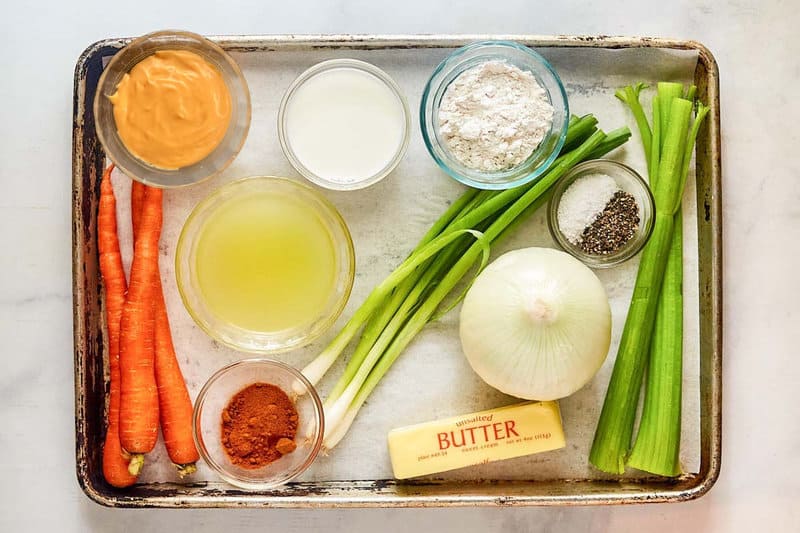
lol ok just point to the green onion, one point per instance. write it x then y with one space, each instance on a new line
614 139
466 211
377 322
379 294
494 213
335 407
579 129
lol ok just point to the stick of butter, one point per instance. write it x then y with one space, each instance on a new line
477 438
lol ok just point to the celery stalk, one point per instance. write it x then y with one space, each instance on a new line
667 90
691 92
630 96
655 146
612 438
702 111
657 446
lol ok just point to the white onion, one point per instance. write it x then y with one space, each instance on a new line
536 324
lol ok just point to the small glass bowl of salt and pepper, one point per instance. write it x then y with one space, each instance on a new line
460 75
601 212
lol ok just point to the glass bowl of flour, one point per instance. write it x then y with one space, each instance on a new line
494 115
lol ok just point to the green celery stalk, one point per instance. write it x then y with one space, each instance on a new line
630 96
657 446
655 146
667 90
612 438
702 112
691 92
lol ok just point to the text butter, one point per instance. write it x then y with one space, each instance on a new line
476 438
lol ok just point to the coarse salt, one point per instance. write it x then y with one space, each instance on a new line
582 202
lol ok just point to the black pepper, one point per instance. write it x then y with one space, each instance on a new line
614 227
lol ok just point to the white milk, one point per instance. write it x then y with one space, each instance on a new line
344 124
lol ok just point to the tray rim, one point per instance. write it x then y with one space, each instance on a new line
687 487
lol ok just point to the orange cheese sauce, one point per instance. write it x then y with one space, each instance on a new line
172 109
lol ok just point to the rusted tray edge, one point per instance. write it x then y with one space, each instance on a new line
711 395
389 493
87 161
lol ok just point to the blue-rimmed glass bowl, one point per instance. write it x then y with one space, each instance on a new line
471 56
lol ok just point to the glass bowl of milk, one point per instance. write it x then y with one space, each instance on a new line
344 124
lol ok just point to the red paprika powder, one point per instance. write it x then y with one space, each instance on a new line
259 425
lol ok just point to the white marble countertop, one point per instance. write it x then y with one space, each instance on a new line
760 481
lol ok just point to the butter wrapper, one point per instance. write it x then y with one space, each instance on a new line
476 438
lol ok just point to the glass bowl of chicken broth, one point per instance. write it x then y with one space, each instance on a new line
265 264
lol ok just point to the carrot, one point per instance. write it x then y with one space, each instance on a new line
115 459
139 394
138 190
174 404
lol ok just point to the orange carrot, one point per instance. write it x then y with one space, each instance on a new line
115 459
174 404
139 394
138 190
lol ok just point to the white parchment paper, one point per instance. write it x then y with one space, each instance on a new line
431 379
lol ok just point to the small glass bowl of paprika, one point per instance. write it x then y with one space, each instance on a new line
258 423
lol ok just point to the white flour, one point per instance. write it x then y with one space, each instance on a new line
494 115
582 203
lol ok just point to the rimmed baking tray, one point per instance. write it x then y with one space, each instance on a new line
90 373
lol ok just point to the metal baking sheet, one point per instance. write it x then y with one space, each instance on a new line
357 473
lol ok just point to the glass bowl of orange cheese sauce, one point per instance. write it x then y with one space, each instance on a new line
172 108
